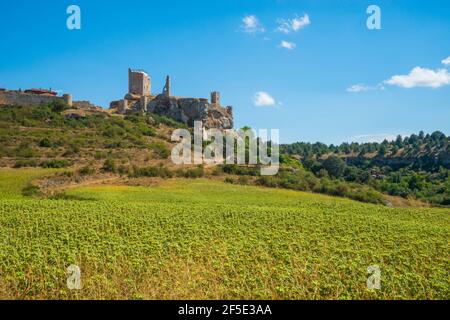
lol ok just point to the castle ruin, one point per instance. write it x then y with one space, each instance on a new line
32 97
36 97
185 110
139 98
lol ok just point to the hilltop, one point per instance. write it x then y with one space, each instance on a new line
413 166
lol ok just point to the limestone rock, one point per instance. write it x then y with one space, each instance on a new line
189 110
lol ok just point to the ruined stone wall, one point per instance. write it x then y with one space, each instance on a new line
16 98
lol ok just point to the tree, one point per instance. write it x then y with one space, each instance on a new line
399 141
335 166
382 151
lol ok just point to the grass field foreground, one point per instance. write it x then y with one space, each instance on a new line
203 239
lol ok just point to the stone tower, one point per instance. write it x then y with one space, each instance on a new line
139 82
68 99
166 90
215 98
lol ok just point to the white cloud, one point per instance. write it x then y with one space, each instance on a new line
371 138
263 99
287 45
358 88
251 24
293 25
446 61
364 88
421 77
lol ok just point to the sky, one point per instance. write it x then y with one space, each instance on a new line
310 68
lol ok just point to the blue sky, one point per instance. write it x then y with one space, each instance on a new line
235 47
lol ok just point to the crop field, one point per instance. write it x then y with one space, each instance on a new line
204 239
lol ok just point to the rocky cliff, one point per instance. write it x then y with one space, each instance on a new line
187 110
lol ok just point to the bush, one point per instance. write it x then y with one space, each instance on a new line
159 171
109 165
241 170
86 171
45 143
31 191
243 180
26 163
145 130
55 164
191 173
72 149
65 196
24 151
267 181
58 106
229 180
168 121
160 150
123 170
100 155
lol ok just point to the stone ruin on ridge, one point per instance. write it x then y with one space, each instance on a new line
185 110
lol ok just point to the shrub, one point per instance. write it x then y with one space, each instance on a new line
65 196
100 155
241 170
86 171
229 180
58 106
146 130
123 170
72 150
159 171
167 121
31 191
109 165
24 151
26 163
197 172
45 143
243 180
160 150
56 164
267 181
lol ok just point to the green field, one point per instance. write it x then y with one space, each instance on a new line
204 239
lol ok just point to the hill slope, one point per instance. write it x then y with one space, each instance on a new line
95 146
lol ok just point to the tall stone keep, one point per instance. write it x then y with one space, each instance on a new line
139 82
215 98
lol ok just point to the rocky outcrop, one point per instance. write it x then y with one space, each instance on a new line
188 110
219 117
86 105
